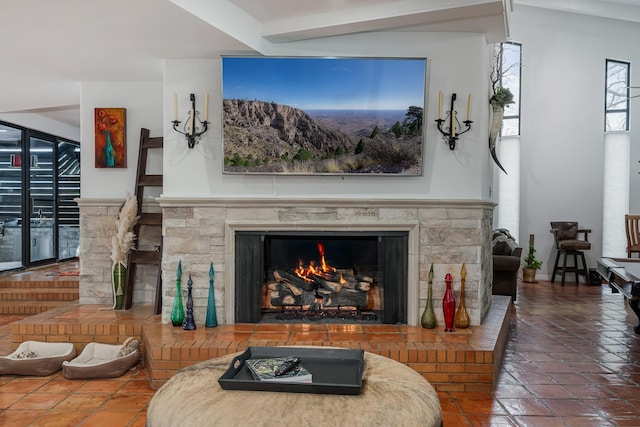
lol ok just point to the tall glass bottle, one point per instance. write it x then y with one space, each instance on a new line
212 318
448 305
429 317
462 320
177 311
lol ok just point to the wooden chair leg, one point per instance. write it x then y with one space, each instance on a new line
555 267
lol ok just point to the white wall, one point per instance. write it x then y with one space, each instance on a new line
143 101
563 74
457 63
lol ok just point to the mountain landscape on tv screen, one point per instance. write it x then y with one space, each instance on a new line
266 137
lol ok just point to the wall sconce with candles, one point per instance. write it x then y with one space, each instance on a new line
452 133
192 130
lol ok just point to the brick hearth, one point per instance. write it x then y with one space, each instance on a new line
466 360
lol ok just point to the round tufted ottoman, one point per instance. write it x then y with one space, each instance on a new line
392 395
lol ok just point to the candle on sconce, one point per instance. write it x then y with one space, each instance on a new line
175 106
192 118
439 105
453 123
469 107
206 107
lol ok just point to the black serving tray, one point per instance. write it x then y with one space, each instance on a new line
334 370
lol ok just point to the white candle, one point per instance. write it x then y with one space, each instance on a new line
191 121
175 106
439 105
453 123
206 107
469 107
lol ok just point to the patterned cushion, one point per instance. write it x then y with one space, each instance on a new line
503 246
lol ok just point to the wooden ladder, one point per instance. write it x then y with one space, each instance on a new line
147 219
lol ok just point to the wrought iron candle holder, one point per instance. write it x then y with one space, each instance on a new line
454 130
194 127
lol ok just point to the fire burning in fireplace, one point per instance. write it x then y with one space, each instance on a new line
319 291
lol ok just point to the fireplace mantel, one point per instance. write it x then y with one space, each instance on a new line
447 233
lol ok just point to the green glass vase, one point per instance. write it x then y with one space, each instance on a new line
119 282
429 316
177 311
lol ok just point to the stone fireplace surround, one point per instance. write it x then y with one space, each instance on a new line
447 233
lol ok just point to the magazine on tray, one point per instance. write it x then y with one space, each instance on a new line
279 369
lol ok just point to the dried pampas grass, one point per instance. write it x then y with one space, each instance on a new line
123 240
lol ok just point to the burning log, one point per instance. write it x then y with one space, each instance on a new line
284 277
294 290
331 286
348 297
363 286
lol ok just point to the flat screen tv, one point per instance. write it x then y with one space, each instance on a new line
292 115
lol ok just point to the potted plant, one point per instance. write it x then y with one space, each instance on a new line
531 264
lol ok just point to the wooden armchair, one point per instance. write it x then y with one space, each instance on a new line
632 227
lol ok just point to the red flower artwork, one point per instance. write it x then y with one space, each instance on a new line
110 138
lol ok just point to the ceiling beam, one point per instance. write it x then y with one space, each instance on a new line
407 15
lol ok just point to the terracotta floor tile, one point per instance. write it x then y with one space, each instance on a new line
570 407
78 402
525 407
587 422
61 386
22 385
491 421
8 399
535 421
126 402
549 391
39 401
19 417
139 420
55 418
101 386
108 418
136 387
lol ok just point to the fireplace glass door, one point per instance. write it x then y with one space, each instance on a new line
328 277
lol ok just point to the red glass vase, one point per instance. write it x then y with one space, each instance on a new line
448 305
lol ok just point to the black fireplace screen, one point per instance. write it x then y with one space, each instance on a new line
321 276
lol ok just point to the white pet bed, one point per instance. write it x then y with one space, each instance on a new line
37 358
100 361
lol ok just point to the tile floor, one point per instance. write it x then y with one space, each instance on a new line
572 360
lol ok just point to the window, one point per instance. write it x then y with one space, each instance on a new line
510 78
508 57
616 115
617 156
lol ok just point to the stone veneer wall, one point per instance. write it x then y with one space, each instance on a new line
198 232
95 253
446 233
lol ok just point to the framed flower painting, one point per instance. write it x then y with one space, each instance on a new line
110 138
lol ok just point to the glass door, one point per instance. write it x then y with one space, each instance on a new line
41 205
68 191
11 199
